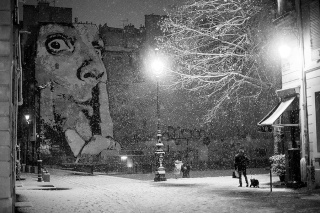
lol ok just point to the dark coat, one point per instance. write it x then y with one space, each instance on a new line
185 170
240 162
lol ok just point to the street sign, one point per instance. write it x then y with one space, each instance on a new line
265 128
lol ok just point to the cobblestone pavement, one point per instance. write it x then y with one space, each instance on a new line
79 192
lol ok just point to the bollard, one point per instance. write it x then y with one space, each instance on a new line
29 168
39 171
23 168
46 177
270 170
270 180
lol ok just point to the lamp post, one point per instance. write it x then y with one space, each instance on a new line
38 131
26 148
37 138
160 173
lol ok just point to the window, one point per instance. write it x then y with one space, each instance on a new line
315 25
315 30
285 6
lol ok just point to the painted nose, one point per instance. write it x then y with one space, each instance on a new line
91 72
92 69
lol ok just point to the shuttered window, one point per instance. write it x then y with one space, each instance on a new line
315 24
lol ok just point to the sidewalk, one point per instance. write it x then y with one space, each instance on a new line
29 180
211 190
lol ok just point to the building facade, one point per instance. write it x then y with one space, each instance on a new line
29 135
310 45
296 117
10 72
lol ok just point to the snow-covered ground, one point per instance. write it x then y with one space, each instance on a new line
77 192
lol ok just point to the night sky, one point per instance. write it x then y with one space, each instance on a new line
113 12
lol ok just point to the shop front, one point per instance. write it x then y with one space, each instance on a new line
284 121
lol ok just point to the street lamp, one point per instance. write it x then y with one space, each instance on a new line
38 130
27 118
284 51
26 148
157 68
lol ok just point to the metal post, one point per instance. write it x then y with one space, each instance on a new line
160 173
27 147
187 155
37 137
25 153
270 180
158 111
39 170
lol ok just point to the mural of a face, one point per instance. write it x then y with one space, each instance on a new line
69 57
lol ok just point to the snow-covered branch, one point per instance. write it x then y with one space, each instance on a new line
216 45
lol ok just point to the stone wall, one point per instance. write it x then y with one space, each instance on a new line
7 109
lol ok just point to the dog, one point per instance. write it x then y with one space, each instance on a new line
254 183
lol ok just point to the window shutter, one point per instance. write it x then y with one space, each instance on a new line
315 24
315 29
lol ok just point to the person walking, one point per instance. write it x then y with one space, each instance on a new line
240 164
177 168
186 170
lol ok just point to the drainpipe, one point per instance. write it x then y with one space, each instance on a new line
303 97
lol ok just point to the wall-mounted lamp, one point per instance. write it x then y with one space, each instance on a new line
123 158
284 51
27 118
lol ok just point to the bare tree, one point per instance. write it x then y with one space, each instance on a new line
220 49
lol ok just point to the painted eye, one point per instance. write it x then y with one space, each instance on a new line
58 43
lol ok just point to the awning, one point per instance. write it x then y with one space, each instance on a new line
275 113
293 91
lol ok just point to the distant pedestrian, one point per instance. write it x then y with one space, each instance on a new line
177 168
136 167
186 170
240 164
